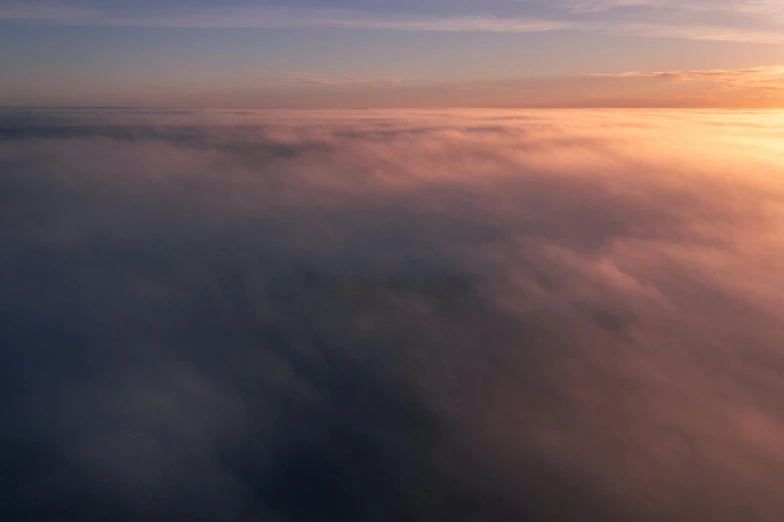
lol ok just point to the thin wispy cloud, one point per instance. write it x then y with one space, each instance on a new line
318 79
270 17
598 6
742 87
720 86
750 73
729 20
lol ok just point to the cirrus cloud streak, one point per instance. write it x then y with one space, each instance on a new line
730 20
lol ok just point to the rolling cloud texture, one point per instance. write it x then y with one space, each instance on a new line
390 316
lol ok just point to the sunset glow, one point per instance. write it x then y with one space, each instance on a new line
368 53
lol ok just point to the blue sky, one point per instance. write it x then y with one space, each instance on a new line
309 53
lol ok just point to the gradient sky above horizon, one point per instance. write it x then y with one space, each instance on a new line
405 53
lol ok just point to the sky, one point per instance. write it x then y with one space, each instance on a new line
373 53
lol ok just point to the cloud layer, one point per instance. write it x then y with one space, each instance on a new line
376 315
